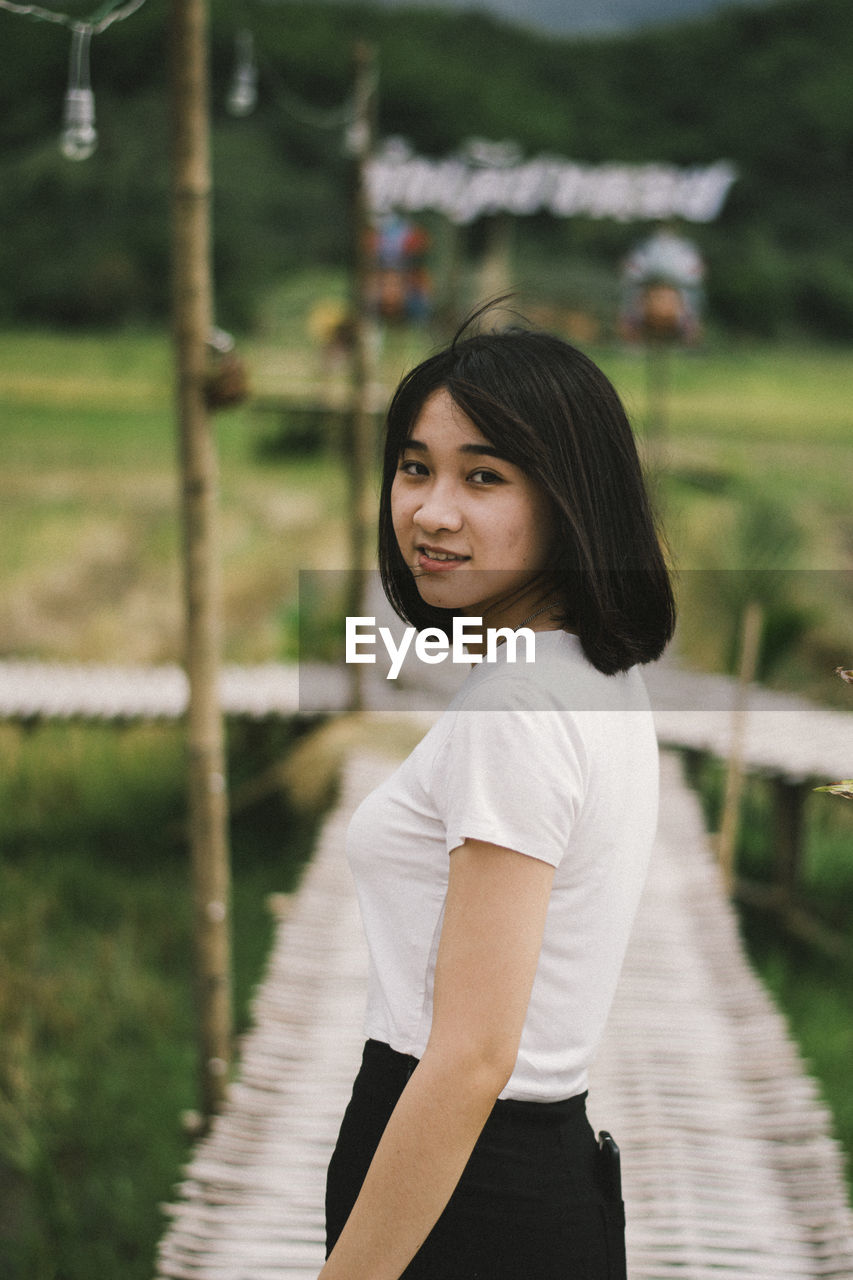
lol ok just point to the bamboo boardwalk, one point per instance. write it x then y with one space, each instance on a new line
785 735
729 1167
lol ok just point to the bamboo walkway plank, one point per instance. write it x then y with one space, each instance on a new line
730 1169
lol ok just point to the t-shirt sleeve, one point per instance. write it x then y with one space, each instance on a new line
511 772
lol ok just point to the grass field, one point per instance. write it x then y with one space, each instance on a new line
756 459
752 472
97 1025
90 563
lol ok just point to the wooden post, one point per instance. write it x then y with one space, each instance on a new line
750 638
789 800
361 435
193 318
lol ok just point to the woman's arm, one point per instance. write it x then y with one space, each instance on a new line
494 919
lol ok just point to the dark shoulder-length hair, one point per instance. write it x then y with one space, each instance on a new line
551 411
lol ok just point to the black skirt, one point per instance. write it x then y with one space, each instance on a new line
536 1201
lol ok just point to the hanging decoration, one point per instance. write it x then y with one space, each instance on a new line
490 178
226 380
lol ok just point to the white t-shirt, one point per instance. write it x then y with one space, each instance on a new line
558 762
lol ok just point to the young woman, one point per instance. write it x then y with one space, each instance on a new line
499 868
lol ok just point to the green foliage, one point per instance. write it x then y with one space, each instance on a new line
97 1053
765 545
766 88
814 992
815 996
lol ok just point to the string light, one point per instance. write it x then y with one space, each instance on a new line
109 13
243 94
79 136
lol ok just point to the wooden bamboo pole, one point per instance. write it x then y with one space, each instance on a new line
789 805
749 647
659 357
193 319
361 424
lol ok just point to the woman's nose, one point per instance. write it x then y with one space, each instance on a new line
438 510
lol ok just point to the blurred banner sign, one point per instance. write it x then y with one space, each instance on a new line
492 178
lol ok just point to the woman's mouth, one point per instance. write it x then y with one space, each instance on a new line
437 559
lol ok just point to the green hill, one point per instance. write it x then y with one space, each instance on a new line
767 88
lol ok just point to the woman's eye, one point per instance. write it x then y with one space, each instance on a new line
482 476
410 467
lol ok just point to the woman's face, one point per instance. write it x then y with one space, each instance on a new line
473 528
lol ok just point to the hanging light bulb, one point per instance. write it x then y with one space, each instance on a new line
243 94
79 136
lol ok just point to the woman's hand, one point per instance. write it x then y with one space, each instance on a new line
491 936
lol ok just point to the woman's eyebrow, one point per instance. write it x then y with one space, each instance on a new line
486 449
